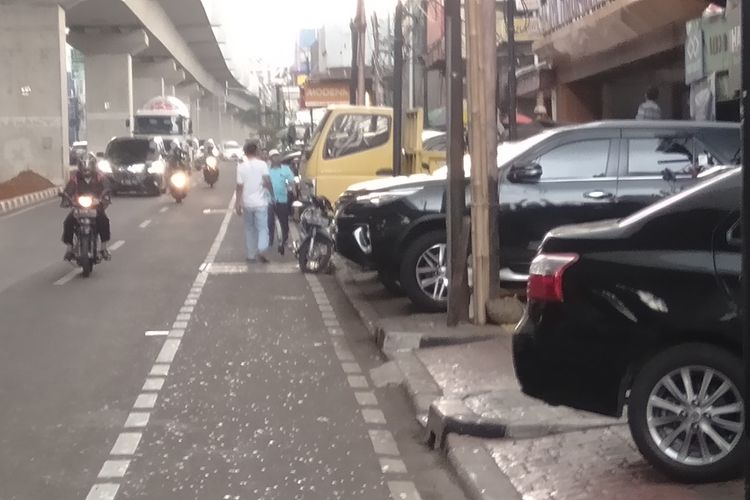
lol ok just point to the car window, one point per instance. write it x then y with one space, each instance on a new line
581 159
351 134
437 143
652 156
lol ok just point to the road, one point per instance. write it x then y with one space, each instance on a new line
176 371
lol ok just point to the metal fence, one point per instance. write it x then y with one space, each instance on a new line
554 14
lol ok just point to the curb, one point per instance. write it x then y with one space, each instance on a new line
478 475
365 311
449 416
419 385
11 204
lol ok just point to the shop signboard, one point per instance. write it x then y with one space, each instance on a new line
693 51
323 94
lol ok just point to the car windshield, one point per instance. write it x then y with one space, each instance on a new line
128 151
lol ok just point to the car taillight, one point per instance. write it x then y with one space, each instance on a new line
546 276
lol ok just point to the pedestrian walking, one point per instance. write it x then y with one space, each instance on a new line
254 193
282 178
649 109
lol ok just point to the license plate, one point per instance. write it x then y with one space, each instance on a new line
85 212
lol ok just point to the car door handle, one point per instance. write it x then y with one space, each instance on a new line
598 195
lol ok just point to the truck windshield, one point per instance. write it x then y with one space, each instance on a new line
158 125
315 137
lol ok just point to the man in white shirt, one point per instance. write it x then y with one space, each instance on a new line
254 193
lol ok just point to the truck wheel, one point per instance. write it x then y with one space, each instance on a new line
424 271
686 413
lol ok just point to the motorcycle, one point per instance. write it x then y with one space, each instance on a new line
179 185
315 248
211 168
85 237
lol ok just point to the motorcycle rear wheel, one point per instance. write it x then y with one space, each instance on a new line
321 256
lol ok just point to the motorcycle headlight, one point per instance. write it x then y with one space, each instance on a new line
85 201
157 167
179 180
104 167
211 162
382 197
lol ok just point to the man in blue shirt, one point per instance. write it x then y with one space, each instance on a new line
282 178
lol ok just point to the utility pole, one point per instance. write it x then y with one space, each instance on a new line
398 86
361 44
355 70
458 233
480 78
745 221
510 26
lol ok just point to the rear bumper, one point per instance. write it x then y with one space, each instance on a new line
561 368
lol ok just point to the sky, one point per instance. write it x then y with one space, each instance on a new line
269 27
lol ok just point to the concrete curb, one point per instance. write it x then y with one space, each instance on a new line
12 204
364 309
476 470
420 386
449 416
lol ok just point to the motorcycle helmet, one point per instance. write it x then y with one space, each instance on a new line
87 167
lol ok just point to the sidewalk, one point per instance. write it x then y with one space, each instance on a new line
501 443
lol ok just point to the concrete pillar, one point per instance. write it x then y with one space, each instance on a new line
109 82
144 89
190 94
211 119
33 91
109 98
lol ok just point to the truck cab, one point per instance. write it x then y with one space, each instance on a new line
353 144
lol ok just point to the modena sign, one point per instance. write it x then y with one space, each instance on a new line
323 94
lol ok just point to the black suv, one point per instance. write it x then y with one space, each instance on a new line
583 173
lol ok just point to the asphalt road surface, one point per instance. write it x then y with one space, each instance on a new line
178 372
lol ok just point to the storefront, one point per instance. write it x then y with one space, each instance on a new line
712 64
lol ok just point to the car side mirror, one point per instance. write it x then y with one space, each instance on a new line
525 173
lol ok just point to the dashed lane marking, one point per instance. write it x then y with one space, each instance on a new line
126 444
145 224
75 272
383 442
104 491
392 466
116 245
157 333
366 398
163 209
114 469
403 490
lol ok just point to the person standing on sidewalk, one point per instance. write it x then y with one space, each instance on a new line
254 193
281 178
649 109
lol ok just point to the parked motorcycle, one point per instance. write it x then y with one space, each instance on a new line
316 244
85 237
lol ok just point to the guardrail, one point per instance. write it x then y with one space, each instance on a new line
554 14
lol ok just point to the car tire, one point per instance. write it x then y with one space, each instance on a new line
412 256
389 280
646 406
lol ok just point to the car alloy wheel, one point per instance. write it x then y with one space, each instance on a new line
695 415
432 272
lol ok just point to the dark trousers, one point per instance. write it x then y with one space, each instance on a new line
280 210
102 227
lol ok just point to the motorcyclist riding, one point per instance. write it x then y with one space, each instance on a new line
87 181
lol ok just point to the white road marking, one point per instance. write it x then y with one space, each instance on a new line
126 444
179 325
113 469
137 419
183 317
373 416
176 334
403 490
145 224
334 323
116 245
72 274
366 398
191 302
383 442
326 308
157 333
351 367
107 491
335 331
163 209
392 466
153 384
357 382
159 370
343 354
168 351
145 401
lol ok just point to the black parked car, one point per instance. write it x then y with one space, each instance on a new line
567 175
644 313
135 165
